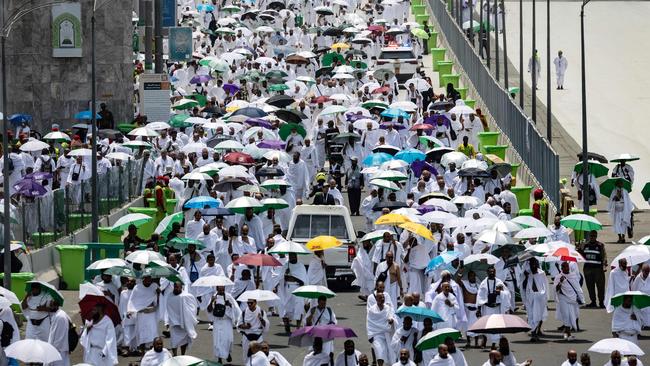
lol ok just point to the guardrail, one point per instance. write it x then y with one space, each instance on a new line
532 148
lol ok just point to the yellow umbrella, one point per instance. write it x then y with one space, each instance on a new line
323 242
418 229
343 46
392 219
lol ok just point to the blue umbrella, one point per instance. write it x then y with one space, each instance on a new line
202 202
86 115
410 155
442 259
205 7
376 159
20 118
418 314
394 113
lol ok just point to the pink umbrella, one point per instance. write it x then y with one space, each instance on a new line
252 259
499 323
304 336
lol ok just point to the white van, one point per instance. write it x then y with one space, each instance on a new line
309 221
401 60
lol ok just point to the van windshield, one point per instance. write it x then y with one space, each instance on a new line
396 55
309 226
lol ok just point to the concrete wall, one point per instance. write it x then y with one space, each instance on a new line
54 89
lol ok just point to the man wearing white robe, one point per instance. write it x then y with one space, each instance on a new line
559 232
491 298
446 305
36 307
572 359
222 334
533 292
349 356
642 283
390 272
380 325
298 176
405 337
98 340
418 254
404 358
274 357
316 271
59 324
568 297
442 358
253 323
362 268
255 227
211 268
317 357
626 321
561 65
195 226
618 282
620 209
128 319
156 355
144 303
455 353
292 307
181 315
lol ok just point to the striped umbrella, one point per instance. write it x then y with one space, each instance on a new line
498 324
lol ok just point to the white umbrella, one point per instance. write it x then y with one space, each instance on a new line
550 246
419 84
470 201
344 69
87 288
282 156
33 351
333 109
405 106
266 134
56 135
258 295
383 183
494 237
340 97
528 221
196 176
624 157
157 126
286 246
229 145
34 145
244 202
143 132
477 226
483 213
107 263
234 171
144 257
9 295
362 124
341 76
489 258
376 235
390 175
533 232
303 291
438 217
137 144
183 360
506 227
461 108
444 204
271 183
136 219
474 164
197 120
608 345
212 281
118 155
634 254
194 147
81 152
394 164
264 29
453 157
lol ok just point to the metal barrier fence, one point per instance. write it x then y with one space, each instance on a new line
533 149
62 211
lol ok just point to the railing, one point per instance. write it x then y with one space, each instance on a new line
62 211
533 149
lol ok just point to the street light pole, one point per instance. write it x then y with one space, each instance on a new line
94 202
585 157
496 38
533 72
5 170
549 115
521 54
505 46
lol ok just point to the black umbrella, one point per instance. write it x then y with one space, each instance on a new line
280 101
391 205
108 133
266 16
229 184
325 11
276 5
250 112
594 156
441 105
429 196
502 169
290 116
217 139
356 52
436 153
327 70
473 172
333 32
252 15
268 171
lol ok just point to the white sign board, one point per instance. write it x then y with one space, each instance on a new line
154 97
66 30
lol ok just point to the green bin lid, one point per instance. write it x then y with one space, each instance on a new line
144 210
61 247
20 275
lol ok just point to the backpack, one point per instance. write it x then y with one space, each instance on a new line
10 165
73 337
6 335
46 166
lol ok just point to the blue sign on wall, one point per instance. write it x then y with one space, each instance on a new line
180 44
168 13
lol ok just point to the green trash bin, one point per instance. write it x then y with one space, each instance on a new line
514 168
444 68
437 54
170 205
19 282
498 150
73 265
463 92
145 230
418 9
450 78
487 138
422 18
78 220
105 205
160 214
433 39
579 234
106 235
523 196
470 103
43 238
525 212
416 2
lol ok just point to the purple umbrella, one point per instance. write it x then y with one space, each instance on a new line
39 176
29 188
200 79
397 126
259 123
304 337
419 166
230 88
271 144
354 117
433 120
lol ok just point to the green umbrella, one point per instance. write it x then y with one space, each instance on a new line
231 9
275 203
219 66
420 33
345 136
183 243
278 87
433 339
595 168
121 272
646 191
331 58
159 272
165 225
276 74
640 300
185 103
313 292
224 30
608 186
374 104
285 130
178 121
202 99
46 288
581 222
513 90
358 64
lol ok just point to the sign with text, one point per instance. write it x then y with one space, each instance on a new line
154 96
66 30
168 13
180 44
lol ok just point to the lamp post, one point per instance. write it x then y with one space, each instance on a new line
549 134
94 202
533 71
585 158
521 54
505 46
